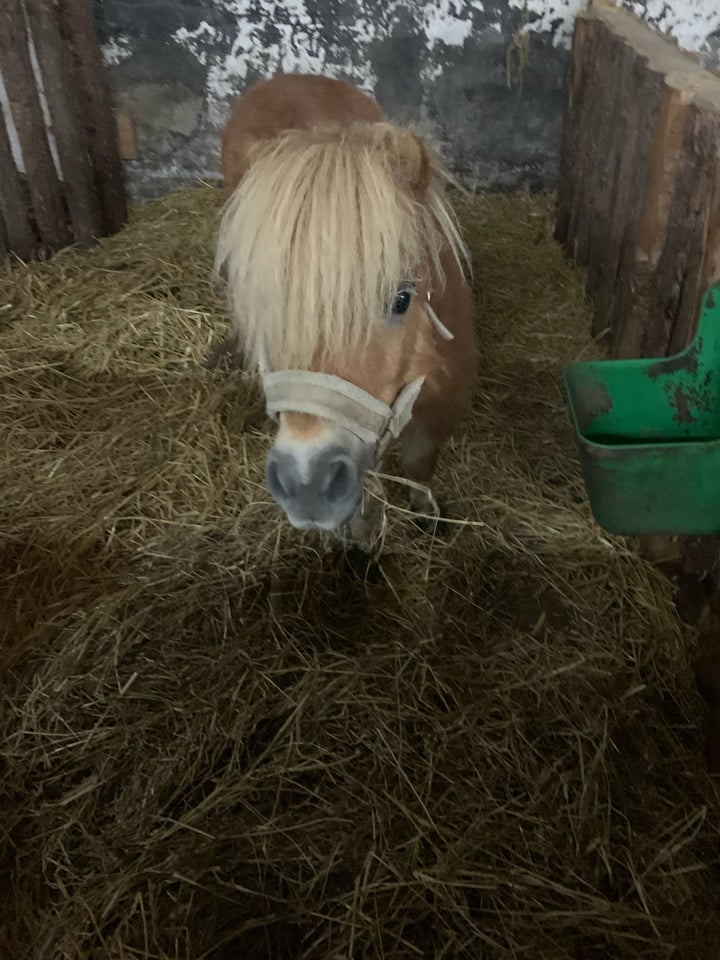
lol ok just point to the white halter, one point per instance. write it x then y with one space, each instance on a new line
341 402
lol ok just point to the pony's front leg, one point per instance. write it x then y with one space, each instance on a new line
364 527
361 544
419 453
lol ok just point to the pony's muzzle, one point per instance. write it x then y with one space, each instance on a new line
320 493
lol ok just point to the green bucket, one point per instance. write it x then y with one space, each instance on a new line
649 435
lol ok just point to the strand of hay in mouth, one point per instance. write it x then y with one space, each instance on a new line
218 744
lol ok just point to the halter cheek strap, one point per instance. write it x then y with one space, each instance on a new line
341 402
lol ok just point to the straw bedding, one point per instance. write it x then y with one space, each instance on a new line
218 743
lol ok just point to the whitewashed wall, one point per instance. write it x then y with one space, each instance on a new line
175 66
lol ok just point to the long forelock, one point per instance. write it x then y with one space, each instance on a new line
316 237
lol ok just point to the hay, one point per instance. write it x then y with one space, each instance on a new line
217 744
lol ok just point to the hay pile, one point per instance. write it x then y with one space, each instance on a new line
218 744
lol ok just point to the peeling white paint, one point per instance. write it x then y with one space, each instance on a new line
299 47
116 50
449 21
550 16
299 43
198 41
241 40
298 38
690 22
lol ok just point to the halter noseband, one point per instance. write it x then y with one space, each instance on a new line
341 402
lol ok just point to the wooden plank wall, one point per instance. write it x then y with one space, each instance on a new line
639 209
639 188
48 208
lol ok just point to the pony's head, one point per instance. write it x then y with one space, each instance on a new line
332 245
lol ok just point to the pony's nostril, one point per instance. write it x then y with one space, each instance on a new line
279 480
338 480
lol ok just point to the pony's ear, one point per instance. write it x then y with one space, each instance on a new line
409 159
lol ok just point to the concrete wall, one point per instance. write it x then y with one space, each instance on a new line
486 78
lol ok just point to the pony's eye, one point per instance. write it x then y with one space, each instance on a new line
401 303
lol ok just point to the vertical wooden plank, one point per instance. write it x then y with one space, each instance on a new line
631 184
70 135
649 264
698 217
612 144
581 161
4 244
582 158
78 28
636 275
663 164
675 299
633 179
14 212
611 68
710 272
568 148
571 186
27 113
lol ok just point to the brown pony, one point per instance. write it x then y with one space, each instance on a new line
344 266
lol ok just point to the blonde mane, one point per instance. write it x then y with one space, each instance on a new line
319 233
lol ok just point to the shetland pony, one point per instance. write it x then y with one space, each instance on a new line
344 264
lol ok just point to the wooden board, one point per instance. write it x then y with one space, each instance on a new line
69 132
639 209
18 236
22 91
639 190
78 28
72 190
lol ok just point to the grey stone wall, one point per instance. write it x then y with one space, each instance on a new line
484 78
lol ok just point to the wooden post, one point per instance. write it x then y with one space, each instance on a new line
639 190
639 207
15 222
83 197
78 29
70 134
4 248
693 213
22 92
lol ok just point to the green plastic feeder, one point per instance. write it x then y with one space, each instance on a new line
649 435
